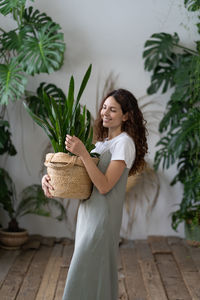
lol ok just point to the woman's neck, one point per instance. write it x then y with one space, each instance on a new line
113 134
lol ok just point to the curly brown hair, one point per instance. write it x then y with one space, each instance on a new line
135 126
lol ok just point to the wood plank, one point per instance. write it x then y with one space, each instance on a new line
34 275
66 259
122 290
187 267
67 255
133 278
6 260
171 277
143 250
195 254
61 284
16 275
152 281
158 244
48 285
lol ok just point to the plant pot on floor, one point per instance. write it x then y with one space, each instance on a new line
13 240
69 177
192 233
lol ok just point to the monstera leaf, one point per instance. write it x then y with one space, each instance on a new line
159 48
192 5
12 82
35 101
181 138
35 46
8 6
42 50
34 17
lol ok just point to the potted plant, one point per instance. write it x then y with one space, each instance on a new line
59 115
33 201
174 65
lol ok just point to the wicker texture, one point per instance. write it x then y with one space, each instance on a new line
69 177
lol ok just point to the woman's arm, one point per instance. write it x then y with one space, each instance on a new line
103 182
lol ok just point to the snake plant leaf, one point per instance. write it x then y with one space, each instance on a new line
42 49
192 5
42 123
70 102
12 82
36 102
8 6
159 48
83 84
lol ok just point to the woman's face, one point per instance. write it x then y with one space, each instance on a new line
112 114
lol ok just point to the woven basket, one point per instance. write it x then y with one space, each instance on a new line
69 177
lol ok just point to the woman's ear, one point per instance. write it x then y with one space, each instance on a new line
125 117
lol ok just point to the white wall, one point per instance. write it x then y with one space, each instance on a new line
111 36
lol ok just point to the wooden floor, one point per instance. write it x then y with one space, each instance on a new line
158 268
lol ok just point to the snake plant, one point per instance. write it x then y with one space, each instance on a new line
59 114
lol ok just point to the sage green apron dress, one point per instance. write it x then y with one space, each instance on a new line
93 271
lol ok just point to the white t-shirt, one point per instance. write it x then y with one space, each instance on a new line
121 147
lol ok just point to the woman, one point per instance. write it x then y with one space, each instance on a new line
122 145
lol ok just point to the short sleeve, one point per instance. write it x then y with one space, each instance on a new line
124 149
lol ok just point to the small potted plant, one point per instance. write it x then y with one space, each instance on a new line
33 201
59 115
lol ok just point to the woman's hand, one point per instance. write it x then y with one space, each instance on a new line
46 186
75 145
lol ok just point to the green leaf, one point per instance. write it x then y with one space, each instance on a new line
33 201
7 192
42 49
6 145
42 123
192 5
84 83
12 82
35 18
7 6
159 48
11 40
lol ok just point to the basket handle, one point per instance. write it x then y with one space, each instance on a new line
51 162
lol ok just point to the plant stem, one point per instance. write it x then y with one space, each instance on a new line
186 49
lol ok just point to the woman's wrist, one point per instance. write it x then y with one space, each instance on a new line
84 155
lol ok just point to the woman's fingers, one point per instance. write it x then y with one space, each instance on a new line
46 186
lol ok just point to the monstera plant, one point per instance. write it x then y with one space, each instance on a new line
35 45
174 65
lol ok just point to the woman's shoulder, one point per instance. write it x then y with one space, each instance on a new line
123 138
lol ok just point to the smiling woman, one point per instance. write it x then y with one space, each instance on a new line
122 145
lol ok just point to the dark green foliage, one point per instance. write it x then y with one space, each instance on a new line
33 201
34 46
59 114
6 145
174 65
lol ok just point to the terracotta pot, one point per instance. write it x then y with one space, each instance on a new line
13 239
